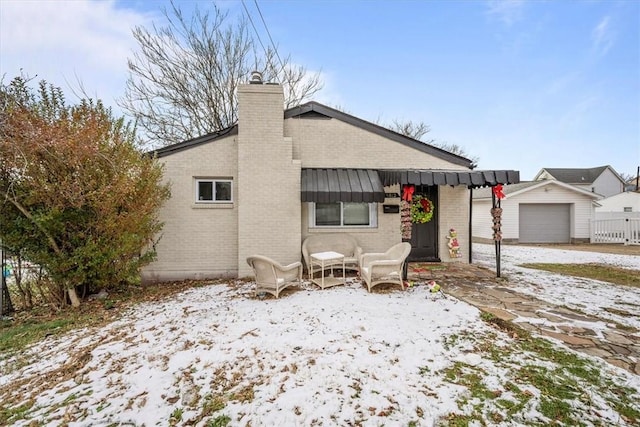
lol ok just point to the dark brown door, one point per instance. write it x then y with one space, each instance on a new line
424 237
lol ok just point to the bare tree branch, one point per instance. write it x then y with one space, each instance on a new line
417 130
183 81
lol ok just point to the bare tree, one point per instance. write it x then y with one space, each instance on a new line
626 177
417 130
183 81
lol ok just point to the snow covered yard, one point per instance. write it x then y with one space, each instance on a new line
589 296
216 356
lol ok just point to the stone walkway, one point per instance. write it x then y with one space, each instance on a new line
479 286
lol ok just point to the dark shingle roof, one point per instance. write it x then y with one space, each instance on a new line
184 145
576 176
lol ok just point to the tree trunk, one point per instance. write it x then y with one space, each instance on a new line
73 296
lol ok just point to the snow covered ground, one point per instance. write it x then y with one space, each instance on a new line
590 296
339 356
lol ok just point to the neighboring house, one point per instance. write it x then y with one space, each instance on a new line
633 184
623 205
602 180
547 211
265 184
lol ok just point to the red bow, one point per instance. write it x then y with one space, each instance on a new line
497 190
407 193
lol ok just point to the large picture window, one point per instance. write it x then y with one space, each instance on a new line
213 190
343 214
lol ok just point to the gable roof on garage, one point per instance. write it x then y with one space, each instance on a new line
523 187
582 176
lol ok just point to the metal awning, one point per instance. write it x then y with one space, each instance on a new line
341 185
470 179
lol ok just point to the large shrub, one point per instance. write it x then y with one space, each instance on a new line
77 196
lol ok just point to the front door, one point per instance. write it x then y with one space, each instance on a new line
424 237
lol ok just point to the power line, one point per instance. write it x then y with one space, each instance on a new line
275 49
270 38
255 29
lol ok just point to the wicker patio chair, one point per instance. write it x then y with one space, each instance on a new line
342 243
273 277
377 268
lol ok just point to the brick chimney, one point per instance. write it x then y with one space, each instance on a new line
269 207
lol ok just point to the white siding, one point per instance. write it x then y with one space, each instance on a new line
482 220
608 184
618 202
582 209
510 220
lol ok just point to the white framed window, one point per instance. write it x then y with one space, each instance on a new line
343 214
214 190
628 209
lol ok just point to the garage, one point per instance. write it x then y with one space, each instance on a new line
545 223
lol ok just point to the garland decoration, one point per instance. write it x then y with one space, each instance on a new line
405 220
421 210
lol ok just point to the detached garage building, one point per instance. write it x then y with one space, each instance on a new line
546 211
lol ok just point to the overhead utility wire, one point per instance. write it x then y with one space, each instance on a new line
284 71
255 30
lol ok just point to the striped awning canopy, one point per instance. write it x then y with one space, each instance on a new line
468 178
341 185
367 185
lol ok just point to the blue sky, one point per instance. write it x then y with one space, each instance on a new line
520 84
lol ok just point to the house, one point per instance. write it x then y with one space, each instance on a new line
633 184
602 180
265 184
623 205
544 211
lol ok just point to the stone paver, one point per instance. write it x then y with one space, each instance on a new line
478 286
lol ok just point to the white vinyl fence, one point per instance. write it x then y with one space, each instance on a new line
623 230
616 215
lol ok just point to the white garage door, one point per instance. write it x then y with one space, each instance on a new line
545 223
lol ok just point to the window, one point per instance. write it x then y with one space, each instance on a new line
343 214
628 209
213 190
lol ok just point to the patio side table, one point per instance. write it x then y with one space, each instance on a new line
324 261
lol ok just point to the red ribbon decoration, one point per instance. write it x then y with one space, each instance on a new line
407 192
497 190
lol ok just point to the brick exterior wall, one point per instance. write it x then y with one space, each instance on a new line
268 179
198 241
454 213
330 143
266 217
